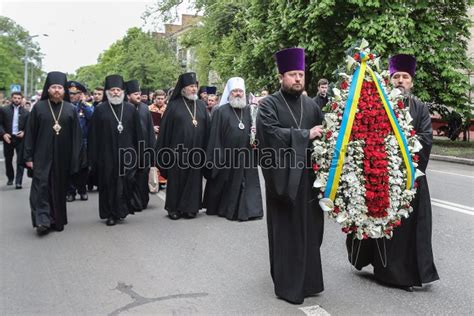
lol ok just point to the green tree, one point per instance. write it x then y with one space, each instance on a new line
241 36
138 55
13 40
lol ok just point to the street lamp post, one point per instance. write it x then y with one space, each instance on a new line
32 66
25 79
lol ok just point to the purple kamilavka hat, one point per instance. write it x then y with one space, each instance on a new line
290 59
402 62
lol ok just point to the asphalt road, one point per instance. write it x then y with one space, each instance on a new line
212 266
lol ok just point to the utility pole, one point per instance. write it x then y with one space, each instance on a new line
25 79
32 66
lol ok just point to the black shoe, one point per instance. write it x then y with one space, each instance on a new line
84 197
174 215
162 186
58 229
110 221
70 198
291 301
18 186
10 182
42 230
189 215
407 288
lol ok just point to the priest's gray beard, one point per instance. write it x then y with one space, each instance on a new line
114 100
237 102
405 93
191 96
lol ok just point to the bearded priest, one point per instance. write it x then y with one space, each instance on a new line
114 136
184 131
53 142
233 186
146 123
287 122
405 260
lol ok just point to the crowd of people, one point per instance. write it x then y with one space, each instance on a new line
129 142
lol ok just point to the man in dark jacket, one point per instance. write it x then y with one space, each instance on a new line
12 130
321 98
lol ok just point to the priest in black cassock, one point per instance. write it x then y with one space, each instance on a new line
145 96
233 186
146 123
52 149
409 255
184 132
114 152
287 122
202 94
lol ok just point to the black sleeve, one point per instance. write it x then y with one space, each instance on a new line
93 133
2 123
78 160
214 141
30 136
424 132
164 137
276 145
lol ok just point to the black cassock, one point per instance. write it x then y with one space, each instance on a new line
55 158
294 218
233 186
149 144
179 136
118 191
409 260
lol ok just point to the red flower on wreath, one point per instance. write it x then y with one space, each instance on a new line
371 125
344 85
357 56
315 167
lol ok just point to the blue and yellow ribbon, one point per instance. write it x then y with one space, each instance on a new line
345 131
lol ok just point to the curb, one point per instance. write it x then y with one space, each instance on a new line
464 161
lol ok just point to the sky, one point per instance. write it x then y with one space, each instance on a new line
78 31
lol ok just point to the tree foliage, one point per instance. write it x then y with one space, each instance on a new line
13 40
138 55
240 37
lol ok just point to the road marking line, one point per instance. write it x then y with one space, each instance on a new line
452 208
315 310
451 173
467 208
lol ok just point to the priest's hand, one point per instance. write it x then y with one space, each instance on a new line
316 131
157 129
29 164
7 138
20 134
